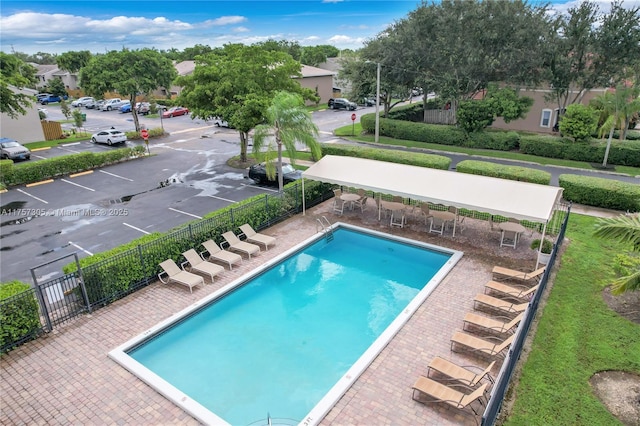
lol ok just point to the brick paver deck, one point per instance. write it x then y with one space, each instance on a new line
67 378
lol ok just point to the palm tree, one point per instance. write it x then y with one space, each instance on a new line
287 122
625 229
619 107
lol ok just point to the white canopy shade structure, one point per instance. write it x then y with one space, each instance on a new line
512 199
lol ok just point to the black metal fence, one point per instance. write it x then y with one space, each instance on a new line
501 385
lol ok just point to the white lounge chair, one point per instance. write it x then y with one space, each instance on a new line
241 246
216 253
198 264
256 237
174 273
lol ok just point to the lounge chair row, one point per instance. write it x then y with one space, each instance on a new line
203 262
457 386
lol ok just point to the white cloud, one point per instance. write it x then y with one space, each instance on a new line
226 20
240 30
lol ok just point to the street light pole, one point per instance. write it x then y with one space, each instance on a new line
377 132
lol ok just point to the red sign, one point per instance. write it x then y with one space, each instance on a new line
353 117
144 134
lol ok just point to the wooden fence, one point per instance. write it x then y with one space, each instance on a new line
52 130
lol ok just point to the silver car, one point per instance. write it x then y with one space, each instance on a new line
82 101
109 137
12 150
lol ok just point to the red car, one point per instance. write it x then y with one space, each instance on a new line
174 112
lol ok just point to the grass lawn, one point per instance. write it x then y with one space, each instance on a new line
577 336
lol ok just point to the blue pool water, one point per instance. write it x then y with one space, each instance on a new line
278 343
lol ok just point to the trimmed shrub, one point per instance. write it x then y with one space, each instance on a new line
601 192
19 315
502 171
392 156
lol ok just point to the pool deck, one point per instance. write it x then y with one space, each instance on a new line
66 376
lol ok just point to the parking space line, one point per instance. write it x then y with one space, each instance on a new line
70 150
80 248
222 199
32 196
188 214
39 156
114 175
77 184
137 229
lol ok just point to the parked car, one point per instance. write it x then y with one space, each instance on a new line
42 112
12 150
52 98
143 108
174 112
109 137
41 96
111 104
94 104
258 174
80 102
126 107
370 101
342 103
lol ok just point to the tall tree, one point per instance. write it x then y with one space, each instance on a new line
586 49
626 230
287 123
237 84
16 74
73 61
129 72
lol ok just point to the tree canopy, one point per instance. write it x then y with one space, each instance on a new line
16 74
237 83
128 72
73 61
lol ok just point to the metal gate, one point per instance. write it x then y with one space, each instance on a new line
61 298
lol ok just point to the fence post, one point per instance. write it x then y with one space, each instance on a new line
41 301
80 278
190 233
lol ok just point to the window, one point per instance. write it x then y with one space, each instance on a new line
545 120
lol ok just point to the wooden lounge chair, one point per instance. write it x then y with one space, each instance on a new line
216 253
468 342
240 246
427 390
472 320
174 273
458 373
256 237
510 291
198 264
500 273
503 306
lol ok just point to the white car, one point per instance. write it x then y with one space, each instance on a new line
82 101
109 137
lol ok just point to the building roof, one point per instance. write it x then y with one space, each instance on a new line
513 199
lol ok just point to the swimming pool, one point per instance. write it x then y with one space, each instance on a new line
289 339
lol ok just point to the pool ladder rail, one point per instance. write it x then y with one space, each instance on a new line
326 228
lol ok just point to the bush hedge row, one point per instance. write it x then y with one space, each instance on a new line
25 173
19 314
502 171
601 192
624 153
393 156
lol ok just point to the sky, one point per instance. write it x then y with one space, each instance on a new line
58 26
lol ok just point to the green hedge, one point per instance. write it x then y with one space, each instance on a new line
19 315
441 134
25 173
624 153
393 156
600 192
502 171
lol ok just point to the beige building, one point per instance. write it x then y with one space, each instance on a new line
543 115
45 73
24 128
